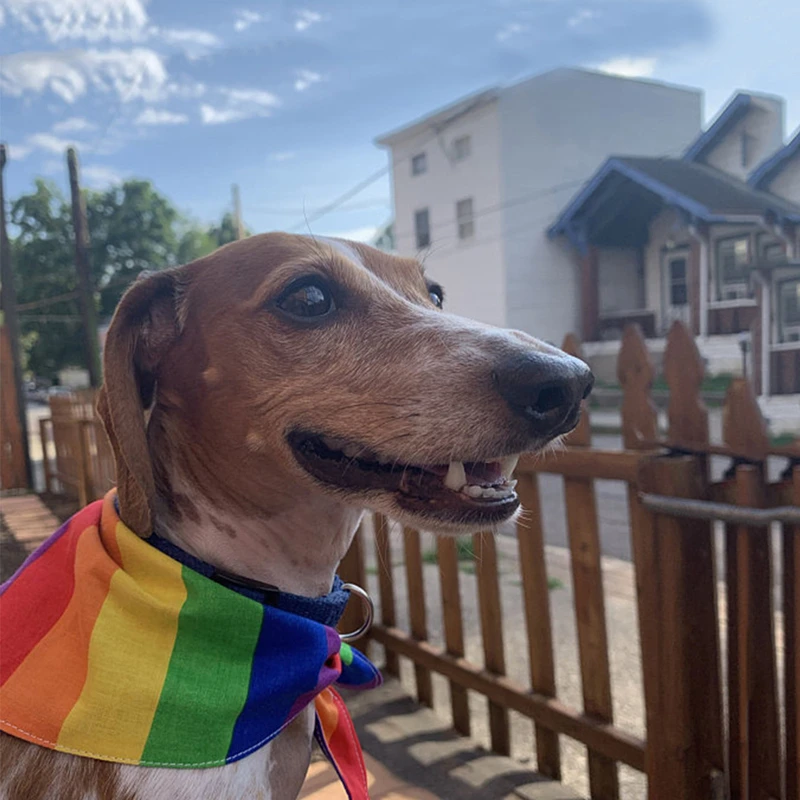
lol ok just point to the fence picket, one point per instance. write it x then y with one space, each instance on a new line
791 628
687 414
536 600
415 582
635 373
590 614
447 553
383 553
491 615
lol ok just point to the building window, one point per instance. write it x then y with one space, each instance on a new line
419 164
770 250
422 227
678 287
789 311
465 218
733 268
462 147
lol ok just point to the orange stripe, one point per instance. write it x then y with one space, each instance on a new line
53 674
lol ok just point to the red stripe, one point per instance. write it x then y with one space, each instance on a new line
346 751
31 612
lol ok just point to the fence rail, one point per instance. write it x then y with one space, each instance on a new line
720 696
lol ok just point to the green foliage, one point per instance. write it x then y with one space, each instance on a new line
132 228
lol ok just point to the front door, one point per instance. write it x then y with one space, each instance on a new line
676 288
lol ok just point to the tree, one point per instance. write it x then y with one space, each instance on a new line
132 227
43 255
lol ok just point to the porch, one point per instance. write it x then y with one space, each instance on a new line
664 240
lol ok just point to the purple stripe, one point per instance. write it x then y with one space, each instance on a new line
37 554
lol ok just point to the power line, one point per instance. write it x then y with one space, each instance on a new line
437 131
522 199
343 198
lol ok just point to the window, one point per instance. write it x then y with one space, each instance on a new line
678 288
462 147
733 268
422 227
769 249
419 164
789 311
465 218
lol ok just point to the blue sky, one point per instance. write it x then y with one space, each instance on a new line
286 98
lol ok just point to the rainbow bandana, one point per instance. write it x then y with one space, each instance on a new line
130 650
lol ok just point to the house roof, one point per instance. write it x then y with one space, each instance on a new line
630 191
440 117
725 120
766 171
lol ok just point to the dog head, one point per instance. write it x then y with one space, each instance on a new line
283 365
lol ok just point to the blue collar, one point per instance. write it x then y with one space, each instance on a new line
326 610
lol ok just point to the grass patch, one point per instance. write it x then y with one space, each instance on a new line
464 550
782 439
552 583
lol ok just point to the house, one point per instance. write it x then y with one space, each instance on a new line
477 184
711 238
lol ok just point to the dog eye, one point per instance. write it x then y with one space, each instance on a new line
436 297
308 301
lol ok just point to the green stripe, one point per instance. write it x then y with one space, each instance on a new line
208 677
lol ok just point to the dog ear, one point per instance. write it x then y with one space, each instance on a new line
143 328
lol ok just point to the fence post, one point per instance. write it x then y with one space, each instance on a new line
754 746
352 570
684 736
45 439
590 616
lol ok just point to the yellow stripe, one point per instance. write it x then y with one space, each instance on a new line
129 654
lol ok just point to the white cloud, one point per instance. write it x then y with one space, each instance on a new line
100 177
244 19
629 67
158 116
239 104
305 19
219 116
366 234
284 155
512 29
18 151
306 78
48 142
73 125
192 41
133 74
91 20
581 16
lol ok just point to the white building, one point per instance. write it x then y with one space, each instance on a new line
478 183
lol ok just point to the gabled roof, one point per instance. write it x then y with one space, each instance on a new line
726 119
440 117
771 166
703 192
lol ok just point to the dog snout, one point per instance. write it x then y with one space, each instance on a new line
546 391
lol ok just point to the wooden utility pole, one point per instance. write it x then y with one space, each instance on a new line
83 268
237 212
17 473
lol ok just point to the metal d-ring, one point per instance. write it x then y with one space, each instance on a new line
367 623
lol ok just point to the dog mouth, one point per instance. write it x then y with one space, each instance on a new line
461 492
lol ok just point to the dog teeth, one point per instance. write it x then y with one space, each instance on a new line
496 492
456 477
507 465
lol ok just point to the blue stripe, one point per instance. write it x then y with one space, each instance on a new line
295 650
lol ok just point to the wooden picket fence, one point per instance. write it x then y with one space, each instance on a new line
720 694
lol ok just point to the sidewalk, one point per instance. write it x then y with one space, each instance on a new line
401 738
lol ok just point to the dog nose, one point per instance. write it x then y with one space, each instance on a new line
545 390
